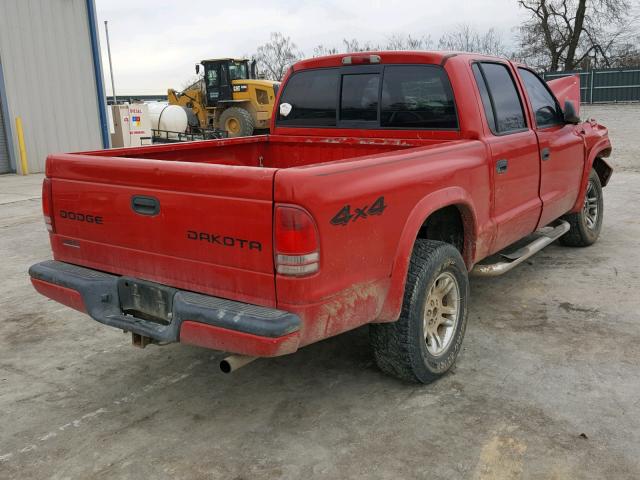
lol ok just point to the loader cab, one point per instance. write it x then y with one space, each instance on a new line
219 75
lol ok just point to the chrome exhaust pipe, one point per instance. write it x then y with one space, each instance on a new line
234 362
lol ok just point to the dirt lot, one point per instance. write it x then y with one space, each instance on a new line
623 121
547 385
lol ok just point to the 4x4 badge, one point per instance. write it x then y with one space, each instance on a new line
344 216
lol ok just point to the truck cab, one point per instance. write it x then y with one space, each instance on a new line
219 75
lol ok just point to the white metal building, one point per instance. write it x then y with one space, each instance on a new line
51 77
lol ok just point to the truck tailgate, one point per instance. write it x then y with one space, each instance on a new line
195 226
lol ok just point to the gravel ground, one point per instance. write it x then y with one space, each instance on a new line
545 388
623 121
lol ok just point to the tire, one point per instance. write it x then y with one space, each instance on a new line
587 223
237 122
402 348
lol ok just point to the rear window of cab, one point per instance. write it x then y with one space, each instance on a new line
391 96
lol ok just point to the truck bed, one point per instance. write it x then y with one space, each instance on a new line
269 151
213 228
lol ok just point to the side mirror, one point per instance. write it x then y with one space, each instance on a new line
570 115
197 68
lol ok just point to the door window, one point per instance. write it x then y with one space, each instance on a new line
543 103
212 78
504 100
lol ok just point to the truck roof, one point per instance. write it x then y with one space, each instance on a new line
387 57
224 59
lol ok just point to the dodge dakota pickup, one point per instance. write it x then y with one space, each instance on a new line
387 179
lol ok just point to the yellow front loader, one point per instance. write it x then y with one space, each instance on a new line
229 97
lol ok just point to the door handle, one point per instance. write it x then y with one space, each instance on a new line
501 165
545 154
145 205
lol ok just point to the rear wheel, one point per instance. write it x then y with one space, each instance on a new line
237 122
587 223
422 345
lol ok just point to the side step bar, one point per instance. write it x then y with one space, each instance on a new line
547 235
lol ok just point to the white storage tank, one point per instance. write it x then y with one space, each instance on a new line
172 118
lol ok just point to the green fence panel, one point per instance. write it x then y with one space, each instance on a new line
605 85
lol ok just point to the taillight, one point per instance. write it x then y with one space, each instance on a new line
297 247
47 204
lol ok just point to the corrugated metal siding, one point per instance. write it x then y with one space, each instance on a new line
606 85
4 147
48 68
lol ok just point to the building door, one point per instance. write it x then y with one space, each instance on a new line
4 144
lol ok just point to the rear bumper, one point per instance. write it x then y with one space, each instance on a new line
196 319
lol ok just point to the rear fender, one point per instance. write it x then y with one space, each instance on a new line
451 196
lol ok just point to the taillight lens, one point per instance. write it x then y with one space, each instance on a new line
47 204
297 245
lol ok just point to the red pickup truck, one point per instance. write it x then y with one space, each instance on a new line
387 179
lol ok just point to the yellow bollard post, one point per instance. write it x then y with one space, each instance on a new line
23 149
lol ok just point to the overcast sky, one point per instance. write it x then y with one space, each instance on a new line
156 43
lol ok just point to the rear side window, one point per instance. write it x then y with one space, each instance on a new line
417 97
484 94
508 113
359 97
313 95
544 104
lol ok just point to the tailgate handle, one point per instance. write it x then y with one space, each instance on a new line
145 205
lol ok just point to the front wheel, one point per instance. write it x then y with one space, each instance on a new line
422 345
587 223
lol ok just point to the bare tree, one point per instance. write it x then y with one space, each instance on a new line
566 33
610 37
465 38
626 54
193 83
394 42
354 45
321 51
276 56
407 42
